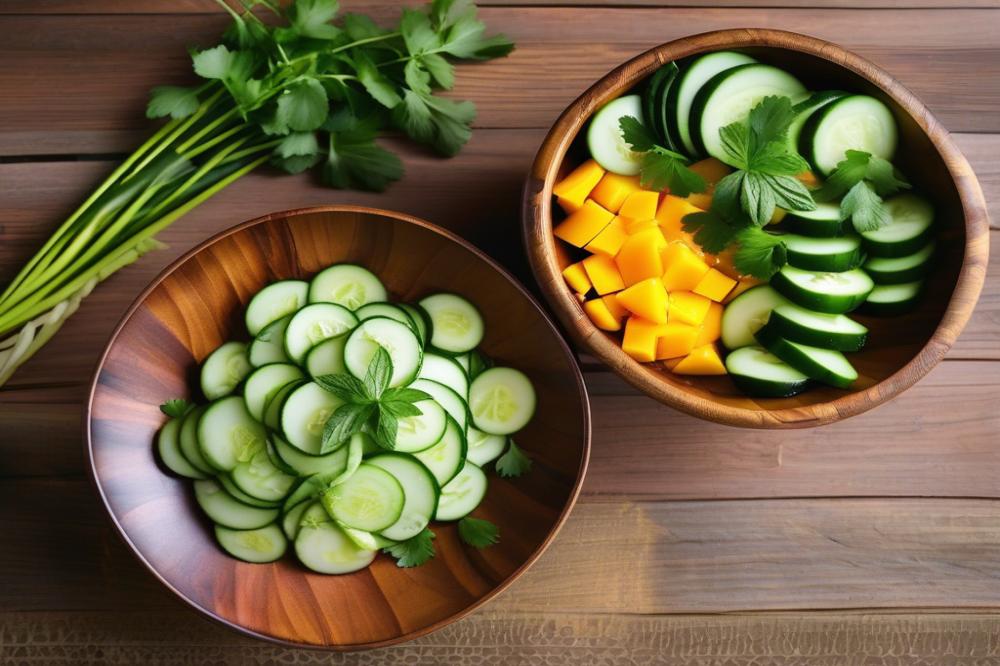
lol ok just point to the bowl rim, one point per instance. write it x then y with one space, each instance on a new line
341 208
539 242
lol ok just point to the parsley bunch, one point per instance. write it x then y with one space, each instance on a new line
862 179
661 168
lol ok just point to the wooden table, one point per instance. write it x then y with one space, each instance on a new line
876 537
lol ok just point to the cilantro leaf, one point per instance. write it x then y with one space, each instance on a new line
757 198
353 159
769 121
380 87
514 462
348 420
346 387
417 78
636 135
789 192
311 18
777 160
864 208
759 253
849 172
303 107
379 373
462 33
660 168
440 69
173 101
477 532
298 143
418 33
711 231
222 64
443 123
414 551
176 407
726 197
735 139
359 26
883 177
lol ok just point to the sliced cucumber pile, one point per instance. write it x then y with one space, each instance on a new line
255 451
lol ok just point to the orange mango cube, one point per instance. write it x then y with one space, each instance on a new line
640 205
610 240
568 206
715 285
639 257
676 340
580 227
603 274
671 214
640 337
613 189
704 360
683 269
711 327
576 187
687 308
711 169
576 278
743 284
603 318
635 226
646 299
614 307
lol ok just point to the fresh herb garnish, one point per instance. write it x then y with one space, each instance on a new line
176 408
862 179
514 462
414 551
477 532
660 168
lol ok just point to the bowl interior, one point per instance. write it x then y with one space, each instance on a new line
893 342
198 304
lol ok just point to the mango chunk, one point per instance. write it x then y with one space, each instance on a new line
646 299
568 206
614 307
671 214
683 269
576 278
580 227
635 226
702 360
597 310
715 285
743 284
639 257
687 308
610 240
640 205
640 337
613 189
577 186
809 179
676 340
603 274
711 169
711 327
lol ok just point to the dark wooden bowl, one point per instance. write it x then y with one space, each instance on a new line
901 350
197 303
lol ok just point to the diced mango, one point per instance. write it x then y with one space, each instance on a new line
613 189
743 284
635 226
640 337
577 186
688 308
580 297
597 310
676 340
640 205
715 285
568 206
809 179
576 278
702 200
614 307
610 240
683 269
671 214
711 327
711 169
639 257
580 227
646 299
603 274
704 360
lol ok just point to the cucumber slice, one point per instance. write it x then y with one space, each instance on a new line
853 122
306 489
833 293
275 301
329 464
419 488
323 547
747 313
264 383
223 509
327 358
805 109
911 220
416 433
463 362
293 517
452 402
264 544
272 454
901 269
272 409
654 103
823 365
227 483
304 415
421 322
261 479
456 325
348 285
168 445
444 370
605 140
483 447
692 77
445 459
757 372
462 494
188 442
228 435
313 324
840 253
502 401
224 369
728 98
370 500
835 331
397 339
893 299
269 345
390 310
824 222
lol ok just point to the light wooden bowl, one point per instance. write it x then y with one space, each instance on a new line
901 350
197 303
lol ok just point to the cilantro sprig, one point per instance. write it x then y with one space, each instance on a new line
477 532
862 179
176 407
514 462
414 551
661 168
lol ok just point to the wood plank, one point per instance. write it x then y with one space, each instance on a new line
948 58
499 637
685 557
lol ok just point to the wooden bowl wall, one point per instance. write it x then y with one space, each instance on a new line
197 304
900 351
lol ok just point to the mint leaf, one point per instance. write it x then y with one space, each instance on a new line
303 106
400 409
176 408
757 198
414 551
386 428
348 420
864 208
759 253
789 192
405 394
514 462
477 532
736 144
711 231
311 18
346 387
379 373
173 101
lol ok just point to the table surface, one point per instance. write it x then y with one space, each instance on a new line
878 536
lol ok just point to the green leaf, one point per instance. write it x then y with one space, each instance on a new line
636 135
417 78
864 208
441 122
757 198
303 106
346 387
400 409
440 69
359 26
295 163
884 177
418 33
247 34
789 192
404 394
777 160
711 231
759 253
414 551
354 160
514 462
311 18
462 34
379 373
386 428
849 172
349 419
176 408
726 197
662 169
246 93
298 143
477 532
222 64
173 101
736 144
378 86
769 121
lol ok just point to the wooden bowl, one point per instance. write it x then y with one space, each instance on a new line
901 350
197 303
